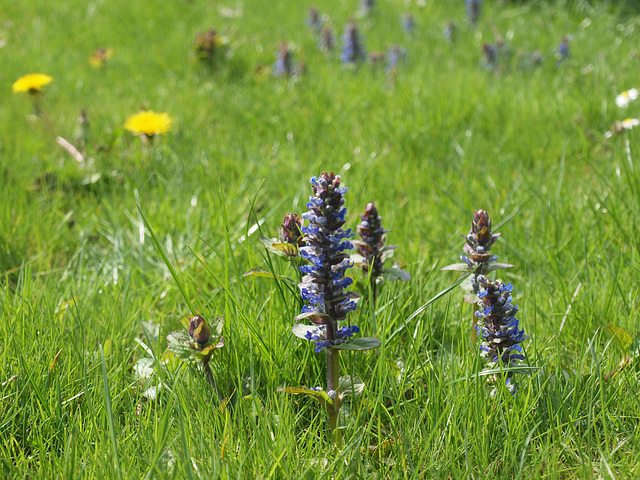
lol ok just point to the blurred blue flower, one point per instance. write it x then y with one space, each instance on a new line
327 40
474 8
564 50
449 32
395 55
352 48
408 23
314 20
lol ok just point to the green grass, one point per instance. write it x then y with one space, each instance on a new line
81 274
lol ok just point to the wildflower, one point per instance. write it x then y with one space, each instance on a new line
477 247
323 291
395 55
198 345
318 334
408 22
377 59
199 331
450 31
491 56
149 123
290 230
563 50
373 239
499 330
619 127
99 58
626 97
81 135
474 8
283 66
31 83
324 280
352 48
327 40
366 6
314 21
529 60
208 45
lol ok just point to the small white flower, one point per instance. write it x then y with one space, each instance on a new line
629 123
619 127
626 97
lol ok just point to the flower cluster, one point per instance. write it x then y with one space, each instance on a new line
373 239
474 8
208 45
290 230
324 280
449 32
327 40
621 126
284 65
318 334
499 330
203 338
408 23
564 50
479 241
199 331
491 56
395 55
314 20
626 97
352 48
100 57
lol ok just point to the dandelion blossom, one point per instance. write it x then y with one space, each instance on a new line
626 97
31 83
149 123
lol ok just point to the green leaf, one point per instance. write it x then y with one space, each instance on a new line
359 344
206 352
621 338
216 326
261 272
350 385
319 395
499 266
279 248
144 369
392 273
178 343
316 317
457 267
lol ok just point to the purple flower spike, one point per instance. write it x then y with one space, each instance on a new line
499 329
352 48
323 284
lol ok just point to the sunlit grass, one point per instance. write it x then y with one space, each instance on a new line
81 273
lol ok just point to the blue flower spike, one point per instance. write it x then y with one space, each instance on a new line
498 328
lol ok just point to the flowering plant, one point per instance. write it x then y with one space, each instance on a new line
323 291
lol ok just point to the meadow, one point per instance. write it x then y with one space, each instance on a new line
101 259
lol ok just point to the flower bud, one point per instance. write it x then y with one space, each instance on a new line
199 331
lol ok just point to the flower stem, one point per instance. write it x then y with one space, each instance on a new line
333 382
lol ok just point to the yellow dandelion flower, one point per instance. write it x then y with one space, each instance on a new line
149 123
31 83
